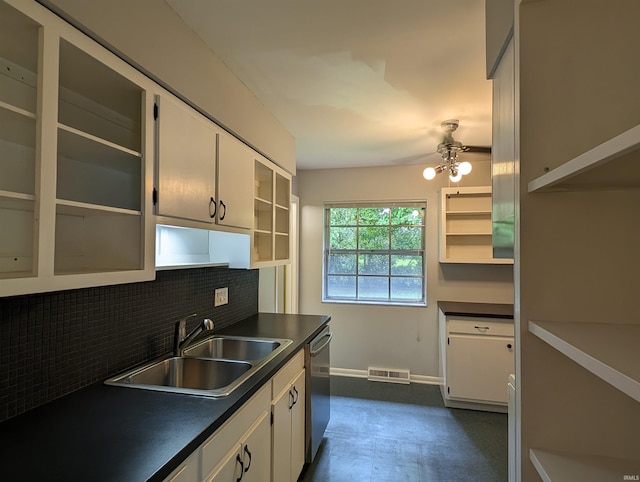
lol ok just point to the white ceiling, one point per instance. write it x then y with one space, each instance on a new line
356 82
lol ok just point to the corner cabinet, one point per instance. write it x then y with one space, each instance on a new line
272 200
74 152
466 227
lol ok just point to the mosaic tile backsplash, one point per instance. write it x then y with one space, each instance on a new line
52 344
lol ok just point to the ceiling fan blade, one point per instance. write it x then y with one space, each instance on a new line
478 149
416 158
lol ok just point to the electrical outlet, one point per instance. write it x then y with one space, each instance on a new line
221 297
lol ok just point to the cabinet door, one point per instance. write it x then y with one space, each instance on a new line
478 367
186 160
188 472
235 182
298 426
281 436
230 467
256 451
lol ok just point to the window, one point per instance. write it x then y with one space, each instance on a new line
374 253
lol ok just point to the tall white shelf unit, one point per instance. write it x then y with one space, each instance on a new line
608 349
577 258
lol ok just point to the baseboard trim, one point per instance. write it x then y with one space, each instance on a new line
350 372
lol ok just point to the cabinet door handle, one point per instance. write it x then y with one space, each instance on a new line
291 400
212 202
248 452
224 210
509 346
239 461
297 395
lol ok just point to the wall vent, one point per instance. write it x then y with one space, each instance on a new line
388 375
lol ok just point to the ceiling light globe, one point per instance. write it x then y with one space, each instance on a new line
464 168
429 173
455 178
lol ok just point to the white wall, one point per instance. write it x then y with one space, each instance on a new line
390 336
150 35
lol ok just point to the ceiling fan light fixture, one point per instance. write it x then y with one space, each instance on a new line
449 149
464 168
429 173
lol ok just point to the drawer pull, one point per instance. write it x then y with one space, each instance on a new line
482 328
509 346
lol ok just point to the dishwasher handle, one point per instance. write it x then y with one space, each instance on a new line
316 351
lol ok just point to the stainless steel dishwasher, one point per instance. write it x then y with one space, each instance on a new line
317 355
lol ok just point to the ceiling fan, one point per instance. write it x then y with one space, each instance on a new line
449 149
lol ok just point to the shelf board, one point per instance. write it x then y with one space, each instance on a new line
608 350
17 126
95 147
17 110
17 195
263 201
76 208
477 261
558 467
281 206
278 233
614 163
469 213
262 231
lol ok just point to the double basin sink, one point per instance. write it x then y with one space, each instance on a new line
213 367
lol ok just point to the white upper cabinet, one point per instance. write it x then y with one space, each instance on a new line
18 120
235 182
76 180
186 162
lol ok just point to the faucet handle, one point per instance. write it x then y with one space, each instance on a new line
207 324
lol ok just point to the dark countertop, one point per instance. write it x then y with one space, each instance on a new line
482 310
107 433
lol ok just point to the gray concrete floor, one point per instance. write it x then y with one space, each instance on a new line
385 432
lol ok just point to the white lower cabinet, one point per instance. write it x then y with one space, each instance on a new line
239 450
288 449
249 460
478 357
264 440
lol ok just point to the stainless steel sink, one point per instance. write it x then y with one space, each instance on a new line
213 367
235 348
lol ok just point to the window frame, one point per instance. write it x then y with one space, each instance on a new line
327 251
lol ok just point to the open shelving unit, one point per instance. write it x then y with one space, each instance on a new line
272 198
18 128
607 350
74 139
465 226
99 167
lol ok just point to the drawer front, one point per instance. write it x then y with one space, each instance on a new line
219 444
481 326
285 376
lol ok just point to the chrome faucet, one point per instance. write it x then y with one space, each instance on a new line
182 340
